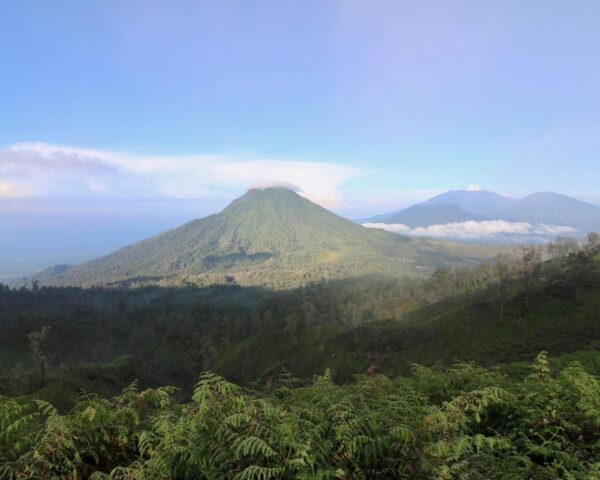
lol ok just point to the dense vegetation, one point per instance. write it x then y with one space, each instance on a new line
273 238
441 423
386 407
101 339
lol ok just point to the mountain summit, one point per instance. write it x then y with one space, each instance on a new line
480 202
269 236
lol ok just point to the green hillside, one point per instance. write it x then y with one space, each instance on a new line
270 237
465 328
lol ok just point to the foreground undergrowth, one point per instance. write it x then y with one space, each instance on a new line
452 422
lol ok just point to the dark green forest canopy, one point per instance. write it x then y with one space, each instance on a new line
168 335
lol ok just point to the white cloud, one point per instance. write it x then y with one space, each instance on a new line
276 184
473 229
65 171
473 188
24 162
317 181
390 227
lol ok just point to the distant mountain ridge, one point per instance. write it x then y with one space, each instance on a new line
423 215
480 202
553 209
543 208
270 236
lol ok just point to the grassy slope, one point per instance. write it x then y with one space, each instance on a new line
440 333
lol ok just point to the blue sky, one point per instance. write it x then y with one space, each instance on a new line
367 106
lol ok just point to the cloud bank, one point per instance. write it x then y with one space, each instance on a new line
474 229
38 170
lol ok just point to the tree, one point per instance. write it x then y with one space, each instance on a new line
121 308
591 243
529 260
562 247
38 346
440 284
500 288
578 271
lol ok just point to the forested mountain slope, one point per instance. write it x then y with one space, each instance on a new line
268 236
494 313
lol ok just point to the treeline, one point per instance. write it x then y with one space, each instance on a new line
461 421
565 258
